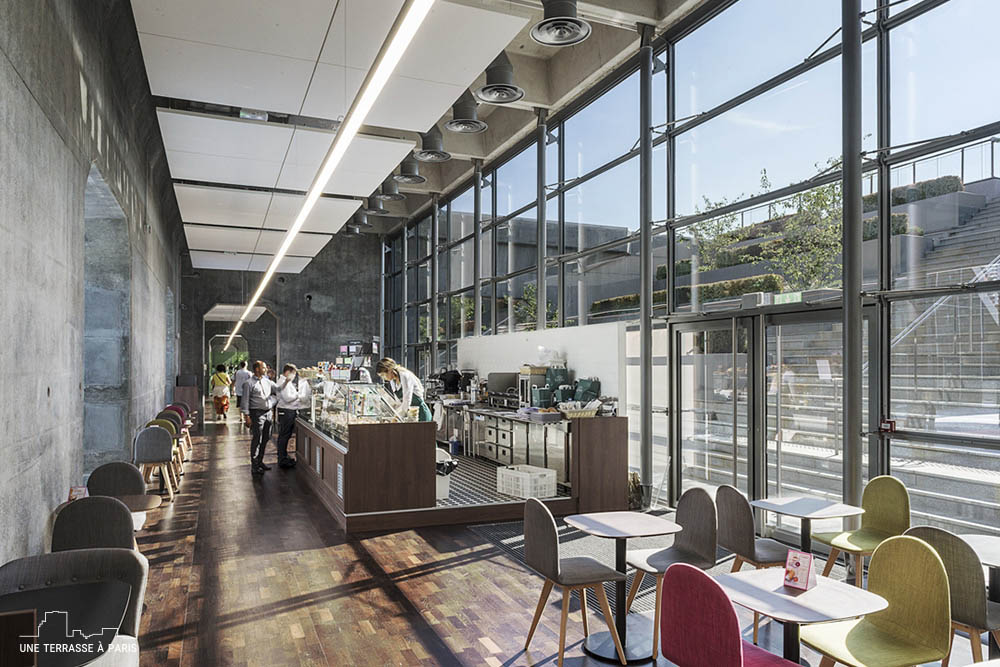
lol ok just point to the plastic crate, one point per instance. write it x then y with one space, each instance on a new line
524 481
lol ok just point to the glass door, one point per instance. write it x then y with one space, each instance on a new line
710 404
804 409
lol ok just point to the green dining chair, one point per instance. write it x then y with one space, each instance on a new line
971 612
916 626
887 514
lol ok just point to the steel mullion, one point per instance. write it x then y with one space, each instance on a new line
943 144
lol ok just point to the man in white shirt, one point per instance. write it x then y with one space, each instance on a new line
259 397
239 379
293 396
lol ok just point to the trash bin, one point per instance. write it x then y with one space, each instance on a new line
445 466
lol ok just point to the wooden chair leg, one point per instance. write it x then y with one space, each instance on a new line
542 599
831 561
859 570
633 589
737 564
827 661
756 626
147 472
609 620
976 640
656 616
165 476
562 625
582 592
951 645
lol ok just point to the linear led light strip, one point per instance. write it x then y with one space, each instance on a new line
408 22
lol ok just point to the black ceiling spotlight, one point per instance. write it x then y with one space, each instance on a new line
500 88
561 26
373 206
432 147
409 172
390 191
464 118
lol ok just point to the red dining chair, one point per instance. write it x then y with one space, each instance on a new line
699 627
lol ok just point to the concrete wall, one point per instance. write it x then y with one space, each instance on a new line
342 286
73 93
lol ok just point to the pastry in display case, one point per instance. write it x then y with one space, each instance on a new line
337 405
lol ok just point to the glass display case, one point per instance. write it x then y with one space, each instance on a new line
337 405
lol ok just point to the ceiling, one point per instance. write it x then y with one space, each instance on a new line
249 94
221 312
240 181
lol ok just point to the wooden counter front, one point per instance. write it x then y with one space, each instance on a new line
382 467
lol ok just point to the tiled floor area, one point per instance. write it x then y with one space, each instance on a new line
247 571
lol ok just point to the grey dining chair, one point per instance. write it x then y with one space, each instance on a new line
185 438
86 566
695 545
738 535
971 612
115 479
154 448
95 522
578 573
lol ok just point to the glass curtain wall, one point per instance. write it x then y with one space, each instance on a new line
747 223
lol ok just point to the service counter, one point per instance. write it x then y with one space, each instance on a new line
375 474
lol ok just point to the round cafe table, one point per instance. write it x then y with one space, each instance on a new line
87 615
634 630
764 591
806 509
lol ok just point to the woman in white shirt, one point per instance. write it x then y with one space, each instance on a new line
406 386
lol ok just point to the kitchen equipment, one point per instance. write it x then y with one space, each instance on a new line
500 383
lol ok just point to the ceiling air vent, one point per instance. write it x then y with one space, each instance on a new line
409 172
464 119
500 88
561 26
390 191
373 206
432 147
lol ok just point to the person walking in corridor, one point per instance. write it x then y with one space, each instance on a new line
220 392
239 379
259 397
293 398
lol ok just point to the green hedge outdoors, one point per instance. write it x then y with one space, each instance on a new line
722 289
934 187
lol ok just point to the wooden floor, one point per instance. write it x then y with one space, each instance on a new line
253 571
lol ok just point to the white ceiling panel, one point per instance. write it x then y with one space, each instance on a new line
224 239
412 104
329 94
228 137
288 264
364 166
216 169
305 245
456 43
231 313
222 206
209 73
358 30
293 28
328 216
201 259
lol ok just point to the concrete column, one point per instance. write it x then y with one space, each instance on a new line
646 270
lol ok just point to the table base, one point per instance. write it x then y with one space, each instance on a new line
639 637
791 646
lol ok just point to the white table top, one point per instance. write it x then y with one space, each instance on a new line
620 525
805 507
764 591
987 547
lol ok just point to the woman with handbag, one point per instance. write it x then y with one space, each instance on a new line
220 383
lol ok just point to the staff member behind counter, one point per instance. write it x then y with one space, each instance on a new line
406 386
293 396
